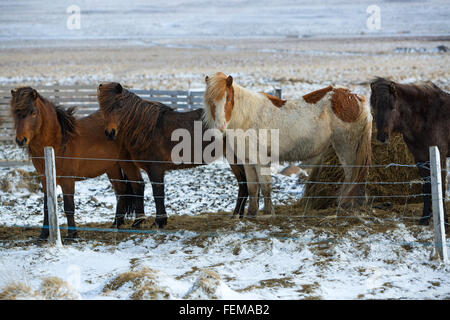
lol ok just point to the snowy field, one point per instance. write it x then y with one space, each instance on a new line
222 258
298 46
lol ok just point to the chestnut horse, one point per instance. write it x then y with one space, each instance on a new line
421 114
306 127
39 124
145 129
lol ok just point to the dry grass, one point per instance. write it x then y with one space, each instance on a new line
143 284
26 180
205 286
52 288
160 67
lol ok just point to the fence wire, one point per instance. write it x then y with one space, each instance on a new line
425 165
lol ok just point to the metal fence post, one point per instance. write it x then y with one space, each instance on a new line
438 208
50 177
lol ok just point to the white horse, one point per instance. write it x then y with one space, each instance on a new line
332 115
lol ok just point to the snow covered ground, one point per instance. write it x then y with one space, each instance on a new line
241 260
171 45
238 265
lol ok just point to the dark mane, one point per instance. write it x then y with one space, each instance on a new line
23 103
138 117
67 122
414 92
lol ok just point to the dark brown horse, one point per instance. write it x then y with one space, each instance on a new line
421 113
39 124
145 129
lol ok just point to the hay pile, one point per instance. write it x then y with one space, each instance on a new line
395 152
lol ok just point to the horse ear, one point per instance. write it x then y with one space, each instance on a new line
13 92
229 81
119 88
372 86
206 79
35 94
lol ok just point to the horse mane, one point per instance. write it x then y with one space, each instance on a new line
215 90
22 104
412 91
138 117
67 122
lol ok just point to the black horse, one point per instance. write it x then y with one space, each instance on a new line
421 113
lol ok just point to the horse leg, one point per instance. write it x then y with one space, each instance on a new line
239 173
156 176
426 190
133 173
44 231
253 188
68 188
265 183
120 189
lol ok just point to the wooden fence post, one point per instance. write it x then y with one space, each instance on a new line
50 177
438 208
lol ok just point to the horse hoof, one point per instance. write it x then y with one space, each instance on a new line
41 240
160 222
424 221
69 240
116 225
137 223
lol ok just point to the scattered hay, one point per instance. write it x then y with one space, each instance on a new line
20 179
206 286
395 152
143 283
18 291
52 288
5 184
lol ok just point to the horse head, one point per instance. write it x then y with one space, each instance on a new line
383 100
108 95
24 105
219 100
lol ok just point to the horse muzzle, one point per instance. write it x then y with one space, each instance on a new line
111 135
22 142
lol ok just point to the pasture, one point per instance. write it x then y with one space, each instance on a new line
376 252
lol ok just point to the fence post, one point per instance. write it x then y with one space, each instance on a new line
50 177
438 208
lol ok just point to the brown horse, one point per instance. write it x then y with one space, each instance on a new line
39 124
145 129
421 113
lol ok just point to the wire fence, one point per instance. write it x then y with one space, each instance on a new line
363 215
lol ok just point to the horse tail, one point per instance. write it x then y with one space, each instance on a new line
363 155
